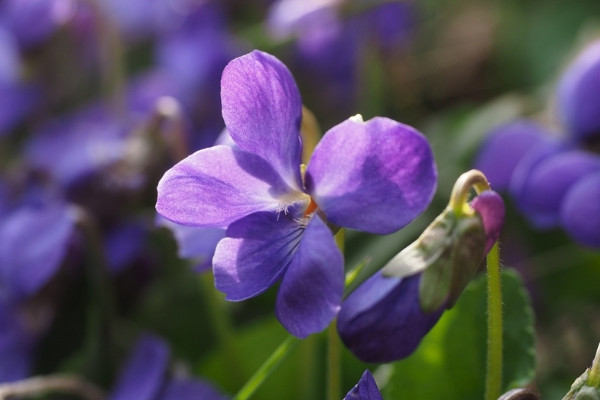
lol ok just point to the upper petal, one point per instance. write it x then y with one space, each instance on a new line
374 176
311 291
254 254
216 186
262 110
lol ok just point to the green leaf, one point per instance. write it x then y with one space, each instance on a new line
450 362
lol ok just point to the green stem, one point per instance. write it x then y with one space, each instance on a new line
266 369
493 382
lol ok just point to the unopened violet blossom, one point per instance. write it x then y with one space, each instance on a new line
374 176
384 319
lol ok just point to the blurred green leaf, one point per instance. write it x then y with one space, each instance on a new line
450 362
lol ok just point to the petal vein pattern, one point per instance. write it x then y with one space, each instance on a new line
219 185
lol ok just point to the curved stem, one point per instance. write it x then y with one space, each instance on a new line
33 387
493 382
467 181
266 369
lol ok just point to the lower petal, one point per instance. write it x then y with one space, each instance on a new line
311 292
255 252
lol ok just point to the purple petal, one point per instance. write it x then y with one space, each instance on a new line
144 373
490 206
365 389
262 110
255 253
580 211
374 176
382 321
216 186
123 244
504 148
578 94
549 182
191 389
311 291
33 244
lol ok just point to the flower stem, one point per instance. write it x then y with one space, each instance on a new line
493 382
266 369
473 179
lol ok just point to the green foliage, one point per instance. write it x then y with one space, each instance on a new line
450 362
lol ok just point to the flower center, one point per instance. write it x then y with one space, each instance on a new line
312 206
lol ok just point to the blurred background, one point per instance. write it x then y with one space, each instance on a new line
98 98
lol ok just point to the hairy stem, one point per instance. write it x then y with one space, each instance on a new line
493 382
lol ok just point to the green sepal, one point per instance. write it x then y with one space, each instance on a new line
447 253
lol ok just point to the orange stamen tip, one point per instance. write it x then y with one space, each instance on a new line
312 206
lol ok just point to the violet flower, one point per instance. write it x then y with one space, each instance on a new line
16 344
365 389
145 376
578 95
383 319
374 176
33 244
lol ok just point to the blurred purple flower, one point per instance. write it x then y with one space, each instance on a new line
365 389
145 377
383 321
579 95
580 210
33 244
276 221
33 21
332 36
16 344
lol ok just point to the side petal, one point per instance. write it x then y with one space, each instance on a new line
255 253
580 211
374 176
262 110
216 186
311 291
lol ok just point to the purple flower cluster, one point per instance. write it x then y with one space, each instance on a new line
374 176
555 181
